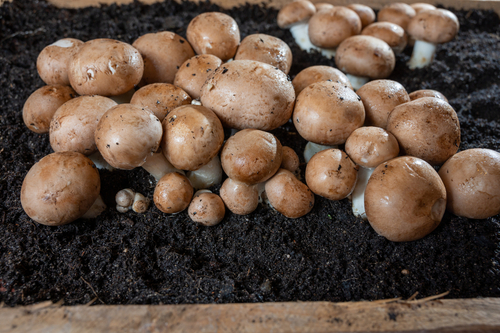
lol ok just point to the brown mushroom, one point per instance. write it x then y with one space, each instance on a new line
427 93
240 198
390 33
295 16
290 160
52 63
194 72
206 208
315 74
398 13
322 5
365 13
420 6
173 193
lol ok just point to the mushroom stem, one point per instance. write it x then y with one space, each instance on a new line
158 166
358 194
423 54
96 209
196 102
313 148
99 161
357 81
124 98
206 176
300 32
328 53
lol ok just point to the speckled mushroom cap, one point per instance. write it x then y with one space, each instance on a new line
365 56
268 49
214 33
329 27
327 113
206 209
379 98
405 199
105 67
194 72
318 73
472 181
295 12
427 93
52 63
390 33
434 26
365 13
60 188
249 94
163 52
398 13
192 136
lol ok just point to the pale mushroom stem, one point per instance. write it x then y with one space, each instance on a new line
313 148
99 161
124 98
358 194
357 81
96 209
328 53
158 166
423 54
300 32
206 176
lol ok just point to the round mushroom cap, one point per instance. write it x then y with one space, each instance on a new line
160 98
173 193
40 107
251 156
329 27
331 174
420 6
434 26
322 5
295 12
365 13
472 181
365 56
427 93
390 33
327 113
288 195
405 199
192 136
427 128
163 52
214 33
240 198
127 135
268 49
379 98
249 94
73 125
60 188
398 13
194 72
105 67
369 146
290 160
52 63
207 209
315 74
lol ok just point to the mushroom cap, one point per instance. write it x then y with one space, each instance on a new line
163 52
398 13
405 199
434 26
127 135
192 136
173 193
214 33
268 49
379 98
322 5
390 33
207 209
160 98
52 63
290 160
365 13
105 67
427 128
40 107
60 188
472 181
327 113
315 74
73 125
194 72
419 6
427 93
365 56
288 195
251 156
329 27
369 146
240 198
295 12
249 94
331 174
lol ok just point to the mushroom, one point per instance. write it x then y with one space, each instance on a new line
206 208
290 160
240 198
127 199
173 193
398 13
472 181
315 74
365 13
405 199
429 28
52 63
420 6
427 93
390 33
295 16
194 72
208 175
322 5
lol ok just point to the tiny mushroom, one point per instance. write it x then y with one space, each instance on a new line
390 33
295 16
206 208
194 72
427 93
52 63
318 73
127 199
173 193
240 198
365 13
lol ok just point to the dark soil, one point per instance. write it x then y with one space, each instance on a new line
155 258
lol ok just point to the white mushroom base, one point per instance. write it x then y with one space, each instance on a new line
358 194
300 33
357 81
206 176
423 54
313 148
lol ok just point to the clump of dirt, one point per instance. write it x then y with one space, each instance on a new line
327 255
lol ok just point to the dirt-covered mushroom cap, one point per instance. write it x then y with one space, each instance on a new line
379 98
472 181
331 174
194 72
405 199
73 126
105 67
327 113
240 198
427 128
268 49
434 26
161 98
390 33
251 156
318 73
329 27
206 208
214 33
420 6
60 188
173 193
52 63
365 13
127 135
192 136
163 52
398 13
249 94
295 12
427 93
40 107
